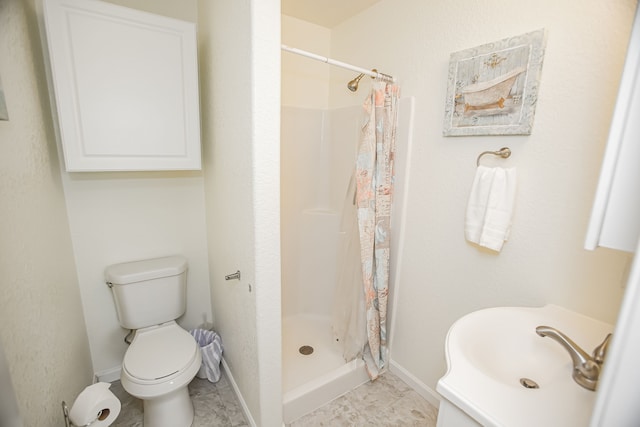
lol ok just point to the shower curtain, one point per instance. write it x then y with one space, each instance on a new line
374 183
349 319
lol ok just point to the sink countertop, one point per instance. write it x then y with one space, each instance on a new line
489 350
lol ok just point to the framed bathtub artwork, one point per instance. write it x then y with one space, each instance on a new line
492 89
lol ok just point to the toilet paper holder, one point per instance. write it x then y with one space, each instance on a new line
67 421
233 276
65 411
94 406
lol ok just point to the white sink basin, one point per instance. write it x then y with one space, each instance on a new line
490 351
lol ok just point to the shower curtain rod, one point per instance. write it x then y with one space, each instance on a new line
373 73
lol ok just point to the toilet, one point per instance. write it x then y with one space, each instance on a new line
163 358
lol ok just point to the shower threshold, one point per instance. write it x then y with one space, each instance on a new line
312 379
320 391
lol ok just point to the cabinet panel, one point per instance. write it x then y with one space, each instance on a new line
125 85
615 218
621 225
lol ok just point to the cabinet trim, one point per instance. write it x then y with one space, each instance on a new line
125 84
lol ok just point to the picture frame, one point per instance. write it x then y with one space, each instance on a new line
492 89
4 114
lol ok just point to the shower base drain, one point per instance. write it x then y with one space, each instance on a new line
306 350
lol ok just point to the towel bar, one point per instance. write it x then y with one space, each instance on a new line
504 152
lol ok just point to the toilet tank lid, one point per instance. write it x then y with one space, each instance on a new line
148 269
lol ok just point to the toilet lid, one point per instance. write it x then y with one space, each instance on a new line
160 352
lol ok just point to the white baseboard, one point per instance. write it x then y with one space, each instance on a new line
245 408
109 375
432 396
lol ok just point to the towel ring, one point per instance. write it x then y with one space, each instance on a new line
504 152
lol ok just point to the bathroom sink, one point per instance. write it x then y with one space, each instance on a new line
501 373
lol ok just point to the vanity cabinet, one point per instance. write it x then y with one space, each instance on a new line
449 415
125 85
615 218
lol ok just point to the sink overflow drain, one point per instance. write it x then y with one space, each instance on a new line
528 383
306 350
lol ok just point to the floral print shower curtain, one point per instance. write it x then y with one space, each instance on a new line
374 179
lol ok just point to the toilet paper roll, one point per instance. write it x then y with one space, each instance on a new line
95 406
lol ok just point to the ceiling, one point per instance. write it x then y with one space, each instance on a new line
326 13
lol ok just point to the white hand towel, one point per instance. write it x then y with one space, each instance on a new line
477 205
490 207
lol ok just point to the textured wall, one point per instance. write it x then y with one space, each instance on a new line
41 323
544 261
240 98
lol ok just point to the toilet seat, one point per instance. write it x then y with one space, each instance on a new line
159 354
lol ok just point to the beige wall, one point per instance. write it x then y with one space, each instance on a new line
444 277
42 327
114 217
305 82
240 98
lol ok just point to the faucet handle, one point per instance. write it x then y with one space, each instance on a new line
600 351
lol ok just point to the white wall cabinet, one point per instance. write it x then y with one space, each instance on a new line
125 84
615 218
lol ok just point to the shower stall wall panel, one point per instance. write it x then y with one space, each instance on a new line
344 136
301 132
318 153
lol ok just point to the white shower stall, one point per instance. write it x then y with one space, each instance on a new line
317 155
318 149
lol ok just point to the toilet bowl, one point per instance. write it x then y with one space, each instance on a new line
157 368
163 358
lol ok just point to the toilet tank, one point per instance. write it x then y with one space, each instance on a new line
148 292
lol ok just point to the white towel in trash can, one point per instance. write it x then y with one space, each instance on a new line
211 348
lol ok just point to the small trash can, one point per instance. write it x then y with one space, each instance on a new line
211 347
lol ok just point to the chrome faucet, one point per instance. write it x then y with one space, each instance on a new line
586 369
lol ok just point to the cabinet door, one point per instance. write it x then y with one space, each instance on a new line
126 87
615 219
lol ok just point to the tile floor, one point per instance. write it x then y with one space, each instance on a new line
386 402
